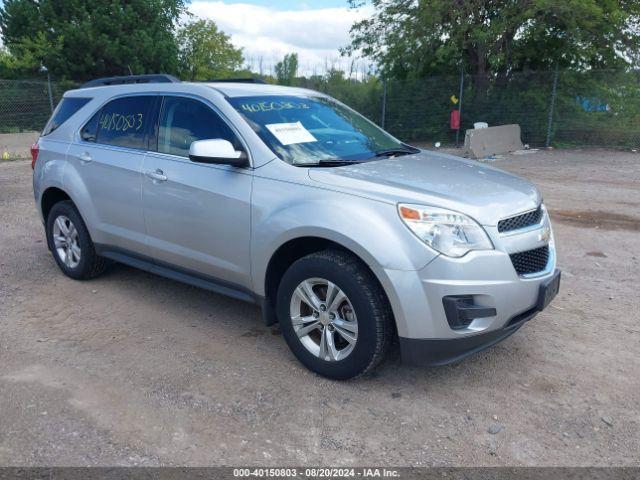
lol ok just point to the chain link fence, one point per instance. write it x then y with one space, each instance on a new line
556 108
563 109
26 105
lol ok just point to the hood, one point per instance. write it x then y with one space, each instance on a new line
485 193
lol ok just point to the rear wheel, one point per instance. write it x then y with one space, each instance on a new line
71 244
334 315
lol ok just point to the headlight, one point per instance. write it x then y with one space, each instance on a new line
451 233
547 232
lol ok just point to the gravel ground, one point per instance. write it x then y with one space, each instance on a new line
133 369
17 145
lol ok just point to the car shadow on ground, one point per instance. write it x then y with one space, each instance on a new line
214 315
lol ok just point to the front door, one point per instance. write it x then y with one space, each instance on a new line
197 215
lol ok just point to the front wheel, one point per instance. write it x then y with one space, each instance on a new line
334 315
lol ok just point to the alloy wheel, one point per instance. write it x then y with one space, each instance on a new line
324 319
66 241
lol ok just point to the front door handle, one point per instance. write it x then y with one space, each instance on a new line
157 175
85 158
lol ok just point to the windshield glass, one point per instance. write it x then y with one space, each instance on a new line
307 130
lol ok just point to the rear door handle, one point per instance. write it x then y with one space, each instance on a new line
85 158
157 175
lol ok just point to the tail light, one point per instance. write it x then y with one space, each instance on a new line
34 154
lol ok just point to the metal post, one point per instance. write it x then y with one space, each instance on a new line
460 107
551 107
50 93
384 102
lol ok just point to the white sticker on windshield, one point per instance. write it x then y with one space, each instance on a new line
290 133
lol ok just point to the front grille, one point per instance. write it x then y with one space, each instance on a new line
530 261
520 221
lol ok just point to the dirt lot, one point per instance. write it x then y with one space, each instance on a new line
17 145
133 369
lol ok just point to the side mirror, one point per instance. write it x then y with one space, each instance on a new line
216 151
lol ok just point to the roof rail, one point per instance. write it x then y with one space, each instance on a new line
238 80
155 78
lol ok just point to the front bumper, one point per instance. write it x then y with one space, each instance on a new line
486 280
432 352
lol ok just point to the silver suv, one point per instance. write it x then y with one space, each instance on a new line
285 197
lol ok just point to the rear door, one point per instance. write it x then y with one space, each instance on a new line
197 216
109 159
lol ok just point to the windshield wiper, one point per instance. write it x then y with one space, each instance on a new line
330 162
389 152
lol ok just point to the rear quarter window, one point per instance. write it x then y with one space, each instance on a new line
63 112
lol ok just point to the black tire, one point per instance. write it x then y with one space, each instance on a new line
375 320
90 265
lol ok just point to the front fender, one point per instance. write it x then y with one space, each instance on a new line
371 229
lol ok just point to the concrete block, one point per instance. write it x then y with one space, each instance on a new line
484 142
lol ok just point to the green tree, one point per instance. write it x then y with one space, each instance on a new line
429 37
81 39
287 69
206 53
29 62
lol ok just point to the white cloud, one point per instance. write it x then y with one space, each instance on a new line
268 34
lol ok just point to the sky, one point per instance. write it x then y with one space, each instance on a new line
267 30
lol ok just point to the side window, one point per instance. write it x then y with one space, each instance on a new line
184 120
124 122
90 130
65 109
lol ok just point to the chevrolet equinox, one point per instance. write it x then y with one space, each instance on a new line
347 237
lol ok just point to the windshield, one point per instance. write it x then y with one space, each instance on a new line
307 130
